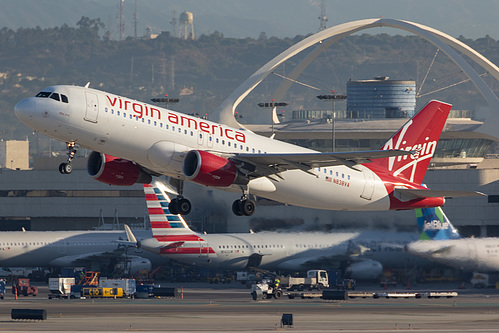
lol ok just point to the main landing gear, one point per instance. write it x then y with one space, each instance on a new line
180 205
67 168
244 206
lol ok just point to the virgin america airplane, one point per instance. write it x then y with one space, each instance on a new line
133 141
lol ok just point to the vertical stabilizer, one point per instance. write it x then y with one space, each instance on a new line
420 135
162 221
433 224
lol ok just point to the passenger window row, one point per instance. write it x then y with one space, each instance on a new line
179 129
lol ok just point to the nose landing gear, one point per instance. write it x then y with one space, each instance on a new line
67 168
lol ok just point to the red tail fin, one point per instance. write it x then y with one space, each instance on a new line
420 134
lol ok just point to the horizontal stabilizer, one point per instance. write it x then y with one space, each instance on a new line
406 194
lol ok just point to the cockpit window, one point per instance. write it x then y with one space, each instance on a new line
55 96
43 94
64 98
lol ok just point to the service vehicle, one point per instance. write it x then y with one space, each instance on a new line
22 286
60 287
315 279
98 292
128 285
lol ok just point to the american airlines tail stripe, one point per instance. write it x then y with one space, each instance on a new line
167 225
189 250
151 197
155 211
160 224
176 238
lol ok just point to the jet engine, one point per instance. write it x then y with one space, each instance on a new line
208 169
113 170
364 270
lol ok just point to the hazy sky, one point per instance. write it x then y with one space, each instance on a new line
243 18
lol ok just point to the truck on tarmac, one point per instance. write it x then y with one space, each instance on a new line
128 285
315 279
60 287
268 288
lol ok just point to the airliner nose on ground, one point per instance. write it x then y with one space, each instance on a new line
25 109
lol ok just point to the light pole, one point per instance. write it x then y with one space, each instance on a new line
333 97
165 100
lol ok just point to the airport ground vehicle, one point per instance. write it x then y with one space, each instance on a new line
22 286
265 289
98 292
315 279
60 287
128 285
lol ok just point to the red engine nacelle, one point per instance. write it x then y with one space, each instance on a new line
211 170
113 170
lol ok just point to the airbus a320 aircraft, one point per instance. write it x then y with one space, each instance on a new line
133 141
362 254
97 250
470 254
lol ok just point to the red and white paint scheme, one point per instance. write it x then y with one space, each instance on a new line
133 141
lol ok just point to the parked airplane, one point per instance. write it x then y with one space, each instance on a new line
97 250
361 253
470 254
151 141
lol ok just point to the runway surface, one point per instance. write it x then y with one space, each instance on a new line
231 308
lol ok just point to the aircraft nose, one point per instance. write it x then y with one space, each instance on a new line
25 108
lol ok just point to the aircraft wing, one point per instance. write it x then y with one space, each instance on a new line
84 259
270 164
406 194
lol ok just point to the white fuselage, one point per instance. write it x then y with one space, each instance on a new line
471 254
157 139
62 248
294 251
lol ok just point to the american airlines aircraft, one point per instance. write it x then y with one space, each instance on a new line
96 250
470 254
133 141
364 252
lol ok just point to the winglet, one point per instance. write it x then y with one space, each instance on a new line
129 235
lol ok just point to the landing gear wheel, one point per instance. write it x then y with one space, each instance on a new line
248 207
236 208
172 207
244 207
180 206
65 168
183 206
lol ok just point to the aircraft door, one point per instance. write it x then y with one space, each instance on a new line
368 191
92 107
204 249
